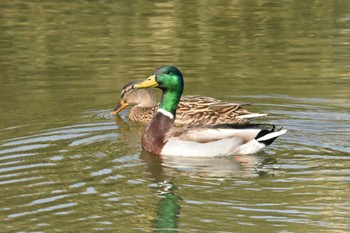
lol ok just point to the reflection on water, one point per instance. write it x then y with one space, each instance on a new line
168 209
164 170
237 166
66 165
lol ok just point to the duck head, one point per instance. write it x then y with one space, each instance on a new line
140 97
170 80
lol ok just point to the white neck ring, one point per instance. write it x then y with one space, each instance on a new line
166 113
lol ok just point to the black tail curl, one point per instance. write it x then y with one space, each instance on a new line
264 132
265 129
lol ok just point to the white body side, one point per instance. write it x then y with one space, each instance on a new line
216 142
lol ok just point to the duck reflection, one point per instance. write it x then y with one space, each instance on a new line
164 169
168 207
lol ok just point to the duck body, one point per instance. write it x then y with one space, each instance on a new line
162 138
222 142
191 110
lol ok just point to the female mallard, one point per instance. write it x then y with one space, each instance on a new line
191 110
161 138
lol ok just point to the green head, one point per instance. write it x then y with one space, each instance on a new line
169 79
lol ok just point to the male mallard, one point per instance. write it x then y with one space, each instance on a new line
161 138
191 110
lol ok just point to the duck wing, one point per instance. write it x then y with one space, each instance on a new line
222 140
202 110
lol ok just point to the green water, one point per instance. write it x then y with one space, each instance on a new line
67 166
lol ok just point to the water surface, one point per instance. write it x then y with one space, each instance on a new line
67 166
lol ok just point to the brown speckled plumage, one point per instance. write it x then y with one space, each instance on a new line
191 111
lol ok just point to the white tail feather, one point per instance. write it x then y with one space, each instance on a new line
272 135
252 115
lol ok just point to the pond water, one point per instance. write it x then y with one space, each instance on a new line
66 165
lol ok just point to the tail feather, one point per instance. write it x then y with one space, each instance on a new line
252 115
268 136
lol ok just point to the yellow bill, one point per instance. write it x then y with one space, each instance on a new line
150 82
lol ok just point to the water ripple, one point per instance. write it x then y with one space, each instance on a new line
47 209
24 148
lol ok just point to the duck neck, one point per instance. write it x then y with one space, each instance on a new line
169 101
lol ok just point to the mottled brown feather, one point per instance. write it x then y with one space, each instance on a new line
191 111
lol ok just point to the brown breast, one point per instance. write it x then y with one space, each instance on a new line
153 138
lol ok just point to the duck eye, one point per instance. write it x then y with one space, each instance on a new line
167 72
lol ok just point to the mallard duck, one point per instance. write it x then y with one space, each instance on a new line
160 137
191 110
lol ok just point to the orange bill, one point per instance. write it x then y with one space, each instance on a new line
119 107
